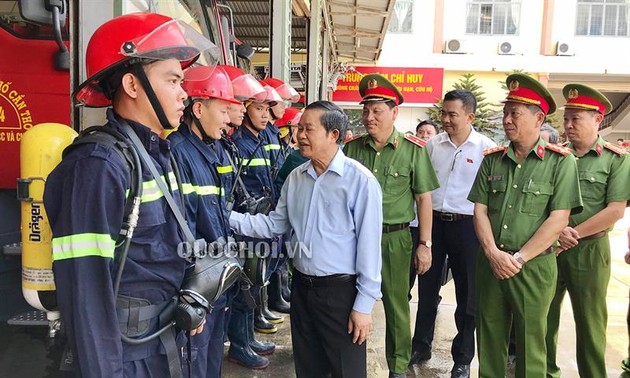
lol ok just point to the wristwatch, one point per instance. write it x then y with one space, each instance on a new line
426 243
519 258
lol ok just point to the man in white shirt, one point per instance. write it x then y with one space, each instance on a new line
456 155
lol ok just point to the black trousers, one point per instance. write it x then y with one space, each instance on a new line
458 240
322 346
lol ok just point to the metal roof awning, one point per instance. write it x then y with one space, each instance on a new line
359 27
251 23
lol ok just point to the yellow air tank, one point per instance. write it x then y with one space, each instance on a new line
40 152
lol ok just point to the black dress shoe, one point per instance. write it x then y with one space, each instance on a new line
460 371
417 357
396 375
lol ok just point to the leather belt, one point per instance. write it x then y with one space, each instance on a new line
394 227
451 217
597 235
322 281
546 252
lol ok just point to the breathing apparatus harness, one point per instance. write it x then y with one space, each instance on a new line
204 282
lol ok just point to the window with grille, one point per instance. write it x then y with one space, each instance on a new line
401 18
602 18
493 17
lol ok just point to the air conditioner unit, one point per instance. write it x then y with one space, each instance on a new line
455 46
507 48
564 48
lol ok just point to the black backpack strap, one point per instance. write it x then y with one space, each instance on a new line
118 142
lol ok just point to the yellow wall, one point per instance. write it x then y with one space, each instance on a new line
488 81
262 58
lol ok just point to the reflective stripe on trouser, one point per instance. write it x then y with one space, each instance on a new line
523 299
583 271
396 251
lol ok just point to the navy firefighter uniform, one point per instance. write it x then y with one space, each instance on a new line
255 161
273 145
86 217
206 215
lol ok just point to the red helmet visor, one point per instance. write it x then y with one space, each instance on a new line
288 93
172 40
247 88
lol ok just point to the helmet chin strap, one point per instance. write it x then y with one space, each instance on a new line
204 137
138 71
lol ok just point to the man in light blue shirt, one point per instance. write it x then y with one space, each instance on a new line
334 206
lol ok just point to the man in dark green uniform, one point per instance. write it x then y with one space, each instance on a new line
403 169
584 253
523 196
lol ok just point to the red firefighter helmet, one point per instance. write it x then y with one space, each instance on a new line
137 37
272 97
246 87
208 82
287 92
291 117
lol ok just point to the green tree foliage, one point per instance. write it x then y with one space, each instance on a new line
354 121
484 121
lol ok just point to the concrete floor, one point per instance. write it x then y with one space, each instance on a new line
281 362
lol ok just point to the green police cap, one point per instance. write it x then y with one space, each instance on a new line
375 87
527 90
580 96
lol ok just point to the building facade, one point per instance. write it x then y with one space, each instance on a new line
557 42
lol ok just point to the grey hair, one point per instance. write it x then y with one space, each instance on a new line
333 118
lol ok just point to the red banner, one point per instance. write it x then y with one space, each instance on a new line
417 85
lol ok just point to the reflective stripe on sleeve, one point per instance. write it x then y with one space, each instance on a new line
151 191
203 190
270 147
225 169
257 162
82 245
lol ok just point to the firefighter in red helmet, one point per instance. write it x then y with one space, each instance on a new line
113 306
245 349
210 96
288 129
279 278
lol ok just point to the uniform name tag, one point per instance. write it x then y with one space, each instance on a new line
495 178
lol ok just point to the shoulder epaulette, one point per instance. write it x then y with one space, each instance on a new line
355 138
415 140
494 149
616 149
559 149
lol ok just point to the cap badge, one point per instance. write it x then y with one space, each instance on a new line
372 84
573 93
514 85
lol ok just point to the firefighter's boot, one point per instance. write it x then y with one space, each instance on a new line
284 280
260 323
270 316
240 351
276 302
261 348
